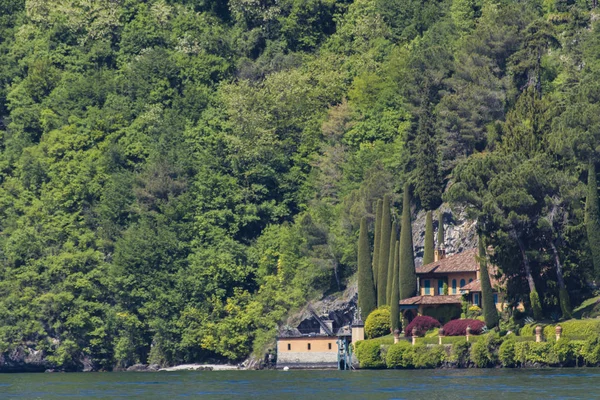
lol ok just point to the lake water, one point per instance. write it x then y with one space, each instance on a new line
309 385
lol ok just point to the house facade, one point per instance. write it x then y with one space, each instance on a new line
445 283
327 348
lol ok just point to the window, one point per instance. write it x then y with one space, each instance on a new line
454 290
329 346
462 282
495 298
427 285
476 299
309 346
470 280
289 346
440 287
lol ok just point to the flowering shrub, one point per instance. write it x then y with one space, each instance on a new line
473 312
458 327
423 323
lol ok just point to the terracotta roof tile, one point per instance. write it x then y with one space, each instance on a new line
474 286
461 262
432 300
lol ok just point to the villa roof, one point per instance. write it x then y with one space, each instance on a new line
474 286
461 262
432 300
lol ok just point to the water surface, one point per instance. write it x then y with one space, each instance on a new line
545 384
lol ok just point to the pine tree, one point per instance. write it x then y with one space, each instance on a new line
366 288
490 314
592 217
378 211
428 251
384 252
395 297
408 276
440 234
390 274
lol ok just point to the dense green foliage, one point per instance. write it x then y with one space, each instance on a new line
177 176
377 239
377 323
490 314
485 351
428 246
369 354
385 239
408 275
592 216
395 295
391 266
367 300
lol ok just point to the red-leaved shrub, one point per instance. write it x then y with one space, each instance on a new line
423 323
458 327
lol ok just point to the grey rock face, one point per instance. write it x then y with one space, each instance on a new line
24 359
338 308
460 233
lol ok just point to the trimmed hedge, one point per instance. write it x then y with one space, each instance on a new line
423 324
404 355
368 354
458 327
574 328
483 351
378 323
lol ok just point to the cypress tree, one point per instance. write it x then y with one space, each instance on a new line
592 217
378 210
390 274
395 296
440 234
428 251
408 275
384 251
428 187
490 314
366 288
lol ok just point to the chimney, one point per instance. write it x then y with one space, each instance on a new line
439 254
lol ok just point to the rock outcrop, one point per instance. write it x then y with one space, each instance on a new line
24 359
460 233
339 308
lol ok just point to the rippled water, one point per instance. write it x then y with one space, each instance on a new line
424 384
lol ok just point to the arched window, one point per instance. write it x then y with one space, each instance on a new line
454 286
470 280
462 282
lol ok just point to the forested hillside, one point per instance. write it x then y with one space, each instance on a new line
177 175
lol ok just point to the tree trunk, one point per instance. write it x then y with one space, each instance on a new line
559 274
525 262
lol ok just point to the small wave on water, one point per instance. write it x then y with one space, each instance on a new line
309 385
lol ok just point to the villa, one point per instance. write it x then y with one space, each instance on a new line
445 283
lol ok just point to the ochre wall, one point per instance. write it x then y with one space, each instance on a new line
300 345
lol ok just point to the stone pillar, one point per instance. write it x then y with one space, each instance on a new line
358 331
396 336
440 335
468 331
415 332
538 334
558 331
